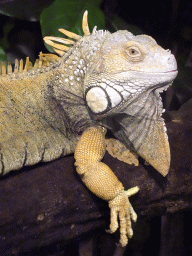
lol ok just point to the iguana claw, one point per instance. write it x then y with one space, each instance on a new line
120 206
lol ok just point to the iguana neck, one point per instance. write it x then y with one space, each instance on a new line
65 89
66 84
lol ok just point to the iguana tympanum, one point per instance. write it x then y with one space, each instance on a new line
103 81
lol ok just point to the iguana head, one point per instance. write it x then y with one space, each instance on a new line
124 67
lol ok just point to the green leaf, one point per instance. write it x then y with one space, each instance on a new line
7 27
3 57
68 15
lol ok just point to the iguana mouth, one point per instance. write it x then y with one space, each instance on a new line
144 71
172 71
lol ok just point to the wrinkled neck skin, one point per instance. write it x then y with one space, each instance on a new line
139 111
141 128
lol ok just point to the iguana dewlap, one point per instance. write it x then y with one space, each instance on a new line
102 80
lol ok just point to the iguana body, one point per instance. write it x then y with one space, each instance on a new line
34 126
103 80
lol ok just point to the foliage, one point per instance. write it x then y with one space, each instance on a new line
52 16
68 15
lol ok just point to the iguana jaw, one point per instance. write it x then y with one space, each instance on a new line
108 93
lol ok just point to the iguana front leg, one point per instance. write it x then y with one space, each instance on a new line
100 179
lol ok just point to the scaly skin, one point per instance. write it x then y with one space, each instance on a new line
32 126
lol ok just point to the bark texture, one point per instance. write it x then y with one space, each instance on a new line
43 204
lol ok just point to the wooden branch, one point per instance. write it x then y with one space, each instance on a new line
48 202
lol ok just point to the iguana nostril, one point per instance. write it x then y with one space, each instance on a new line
171 59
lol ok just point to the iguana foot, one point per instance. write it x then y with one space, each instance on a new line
121 207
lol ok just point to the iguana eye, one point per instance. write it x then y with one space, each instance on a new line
134 51
134 54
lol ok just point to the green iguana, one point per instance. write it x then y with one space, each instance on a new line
103 81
